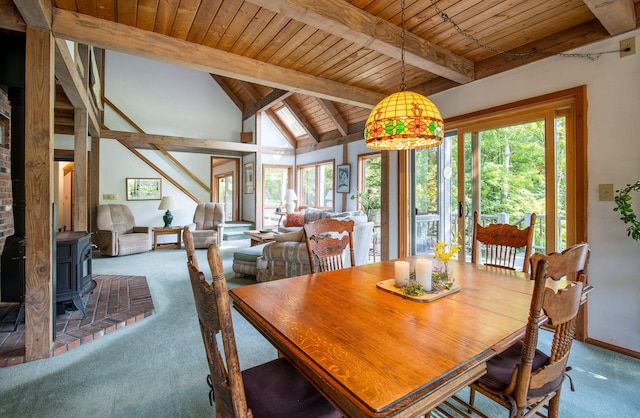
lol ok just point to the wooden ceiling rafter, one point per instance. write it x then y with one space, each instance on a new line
195 145
334 115
304 122
350 22
617 16
118 37
222 82
273 98
74 86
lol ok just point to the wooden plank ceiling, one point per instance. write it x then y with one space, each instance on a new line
330 61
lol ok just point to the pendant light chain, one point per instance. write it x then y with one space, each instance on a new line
403 86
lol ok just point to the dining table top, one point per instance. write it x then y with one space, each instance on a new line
375 353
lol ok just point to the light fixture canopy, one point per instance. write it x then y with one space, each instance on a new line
404 120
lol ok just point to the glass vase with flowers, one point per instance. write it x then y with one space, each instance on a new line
442 275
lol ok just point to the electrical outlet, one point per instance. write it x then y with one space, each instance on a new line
605 192
630 44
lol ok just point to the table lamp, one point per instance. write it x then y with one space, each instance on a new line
290 197
167 203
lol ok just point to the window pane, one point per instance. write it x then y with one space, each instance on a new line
308 186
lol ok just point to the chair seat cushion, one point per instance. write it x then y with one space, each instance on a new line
500 368
276 390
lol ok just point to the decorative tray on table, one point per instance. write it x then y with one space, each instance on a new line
389 286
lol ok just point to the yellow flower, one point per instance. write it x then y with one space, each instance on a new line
445 252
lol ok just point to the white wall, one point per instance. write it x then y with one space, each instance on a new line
166 100
613 92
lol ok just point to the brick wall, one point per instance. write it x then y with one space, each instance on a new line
6 195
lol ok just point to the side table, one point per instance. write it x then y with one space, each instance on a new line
173 245
258 237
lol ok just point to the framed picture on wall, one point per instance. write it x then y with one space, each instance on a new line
144 189
344 174
248 178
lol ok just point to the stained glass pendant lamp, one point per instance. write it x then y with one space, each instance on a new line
404 120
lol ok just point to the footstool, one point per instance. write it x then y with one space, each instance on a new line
245 261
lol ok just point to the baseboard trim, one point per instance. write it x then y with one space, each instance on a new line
615 348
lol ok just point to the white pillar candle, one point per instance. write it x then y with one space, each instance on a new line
401 273
423 273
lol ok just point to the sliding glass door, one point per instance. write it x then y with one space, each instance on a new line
506 167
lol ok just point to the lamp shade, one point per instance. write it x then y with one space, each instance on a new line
404 120
167 203
290 195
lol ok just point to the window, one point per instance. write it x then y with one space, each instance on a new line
276 180
369 172
315 185
284 113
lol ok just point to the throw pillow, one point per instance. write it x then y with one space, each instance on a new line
296 236
294 219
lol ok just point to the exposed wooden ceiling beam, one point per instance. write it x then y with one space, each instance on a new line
202 145
73 85
36 13
118 37
267 101
617 16
334 115
356 133
566 40
347 21
297 113
10 17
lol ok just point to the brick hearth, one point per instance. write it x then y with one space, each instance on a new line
116 301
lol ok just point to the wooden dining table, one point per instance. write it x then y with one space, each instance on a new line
373 353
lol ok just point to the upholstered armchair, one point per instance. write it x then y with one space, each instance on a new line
117 233
208 224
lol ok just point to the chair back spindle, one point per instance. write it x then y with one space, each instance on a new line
500 244
327 239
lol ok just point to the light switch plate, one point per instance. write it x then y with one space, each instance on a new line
630 44
605 192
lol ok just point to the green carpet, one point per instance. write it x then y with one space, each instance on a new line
157 367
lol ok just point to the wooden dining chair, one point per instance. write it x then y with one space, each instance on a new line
500 244
572 263
327 239
189 246
272 390
523 378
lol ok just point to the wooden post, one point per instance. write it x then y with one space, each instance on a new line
404 214
80 164
39 102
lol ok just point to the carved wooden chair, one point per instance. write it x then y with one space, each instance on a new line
500 244
523 378
274 389
327 239
189 246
